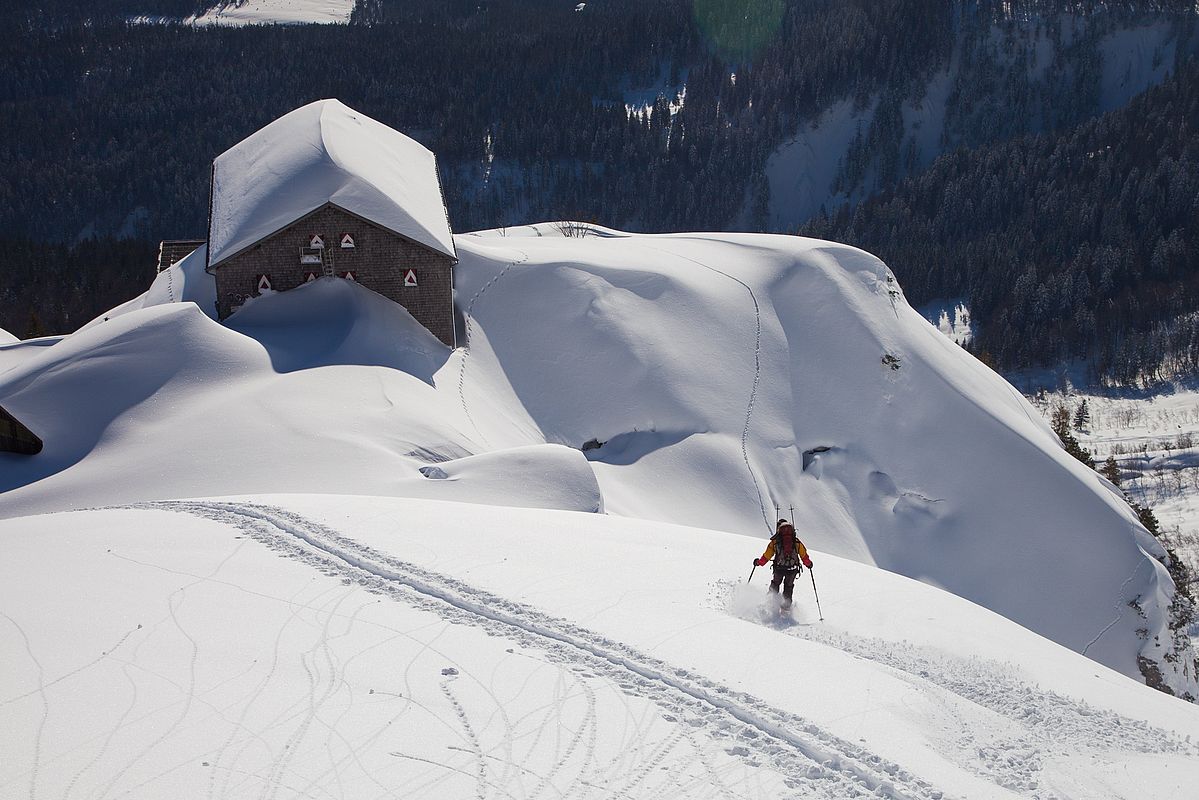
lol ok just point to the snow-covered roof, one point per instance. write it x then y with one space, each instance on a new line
321 153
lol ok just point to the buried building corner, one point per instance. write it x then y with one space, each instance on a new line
15 437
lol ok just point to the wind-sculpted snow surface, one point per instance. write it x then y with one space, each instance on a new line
350 646
795 748
717 361
707 378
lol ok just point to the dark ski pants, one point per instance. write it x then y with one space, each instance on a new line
786 577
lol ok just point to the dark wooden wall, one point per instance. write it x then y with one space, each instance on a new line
378 260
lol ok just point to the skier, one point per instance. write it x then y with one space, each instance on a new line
788 552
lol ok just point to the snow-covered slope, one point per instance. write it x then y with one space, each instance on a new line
710 367
429 649
286 12
717 375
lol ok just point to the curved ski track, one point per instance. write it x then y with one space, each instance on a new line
753 391
813 762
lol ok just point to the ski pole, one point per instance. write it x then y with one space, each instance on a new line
812 575
751 573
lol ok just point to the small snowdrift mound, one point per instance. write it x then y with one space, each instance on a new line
7 338
185 281
537 476
162 402
85 389
333 321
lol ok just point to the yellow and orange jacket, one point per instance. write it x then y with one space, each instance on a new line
800 554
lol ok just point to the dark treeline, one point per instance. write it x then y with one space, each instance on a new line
52 288
1083 244
55 13
108 129
135 113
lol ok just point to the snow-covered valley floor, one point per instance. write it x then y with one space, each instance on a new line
361 647
275 12
1154 438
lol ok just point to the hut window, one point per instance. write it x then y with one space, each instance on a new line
347 241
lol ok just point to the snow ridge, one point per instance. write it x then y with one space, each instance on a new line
812 759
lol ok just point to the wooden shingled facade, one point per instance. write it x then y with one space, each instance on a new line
171 251
417 277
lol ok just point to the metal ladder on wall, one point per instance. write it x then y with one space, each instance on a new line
327 262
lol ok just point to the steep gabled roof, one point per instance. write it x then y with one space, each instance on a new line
324 153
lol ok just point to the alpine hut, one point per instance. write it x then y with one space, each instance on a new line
326 191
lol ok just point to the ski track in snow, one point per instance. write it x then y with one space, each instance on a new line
1035 724
813 762
1120 608
753 391
174 602
41 692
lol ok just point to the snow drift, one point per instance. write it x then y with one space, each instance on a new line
709 376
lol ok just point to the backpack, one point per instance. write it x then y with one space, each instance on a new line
786 547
